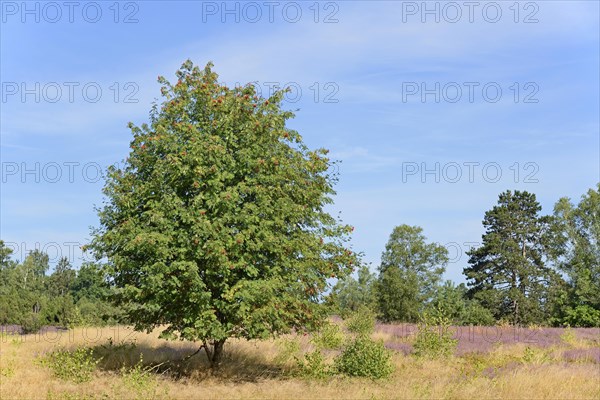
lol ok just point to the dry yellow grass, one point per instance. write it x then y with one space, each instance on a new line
250 372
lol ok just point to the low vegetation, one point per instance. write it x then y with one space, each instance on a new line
434 338
77 365
118 363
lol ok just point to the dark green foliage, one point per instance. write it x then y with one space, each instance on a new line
5 257
96 312
581 316
31 298
458 308
62 279
91 292
215 226
409 273
577 254
60 308
365 357
350 294
31 322
508 273
398 295
476 314
90 283
22 289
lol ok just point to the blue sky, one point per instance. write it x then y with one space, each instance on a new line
388 89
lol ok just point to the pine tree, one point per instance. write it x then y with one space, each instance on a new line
508 273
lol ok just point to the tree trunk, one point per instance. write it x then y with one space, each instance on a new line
214 352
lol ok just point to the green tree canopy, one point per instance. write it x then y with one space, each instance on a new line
90 282
5 257
215 226
409 272
507 273
578 255
31 274
61 281
350 294
451 301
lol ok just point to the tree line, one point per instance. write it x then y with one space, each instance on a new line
529 269
215 227
31 298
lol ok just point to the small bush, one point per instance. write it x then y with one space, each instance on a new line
361 322
536 356
365 357
582 316
476 314
313 365
77 366
433 338
329 337
31 323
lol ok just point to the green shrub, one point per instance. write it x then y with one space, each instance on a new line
476 314
451 300
94 312
361 322
329 337
433 338
313 365
582 316
365 357
31 323
77 366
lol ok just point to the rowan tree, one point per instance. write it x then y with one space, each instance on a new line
215 226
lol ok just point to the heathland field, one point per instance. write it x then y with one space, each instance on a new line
117 363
